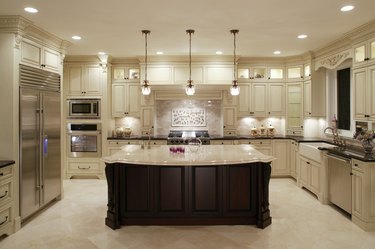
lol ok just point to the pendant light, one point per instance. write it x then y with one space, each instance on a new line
146 89
190 89
235 89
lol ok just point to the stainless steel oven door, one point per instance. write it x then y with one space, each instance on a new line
84 144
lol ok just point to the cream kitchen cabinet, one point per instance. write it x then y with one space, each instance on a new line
84 80
363 199
125 99
314 94
307 71
154 143
35 55
364 92
364 53
280 150
7 195
229 120
262 145
262 99
158 74
295 73
86 167
181 74
293 158
221 142
147 120
310 176
294 107
126 74
218 74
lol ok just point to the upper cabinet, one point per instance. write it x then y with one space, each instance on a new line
295 73
294 107
247 73
364 92
125 99
84 80
314 94
219 75
261 99
181 74
35 55
364 53
125 74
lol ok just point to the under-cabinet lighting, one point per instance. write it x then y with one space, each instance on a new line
219 52
277 52
302 36
159 52
76 37
31 10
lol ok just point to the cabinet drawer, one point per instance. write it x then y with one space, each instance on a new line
123 142
5 191
156 142
358 166
224 142
6 172
5 217
255 142
84 167
229 133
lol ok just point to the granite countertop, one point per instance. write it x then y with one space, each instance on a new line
4 163
352 152
205 155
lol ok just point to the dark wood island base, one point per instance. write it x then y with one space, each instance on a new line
188 195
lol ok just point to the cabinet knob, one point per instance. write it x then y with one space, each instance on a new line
261 142
308 162
224 126
356 164
351 173
269 78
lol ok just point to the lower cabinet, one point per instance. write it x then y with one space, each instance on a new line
280 167
115 145
7 208
84 167
293 159
363 198
309 176
223 142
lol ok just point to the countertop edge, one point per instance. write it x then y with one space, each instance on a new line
4 163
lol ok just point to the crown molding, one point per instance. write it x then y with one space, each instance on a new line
333 61
26 29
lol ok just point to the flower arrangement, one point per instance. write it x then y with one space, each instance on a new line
364 135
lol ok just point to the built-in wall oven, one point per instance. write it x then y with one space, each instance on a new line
83 108
84 140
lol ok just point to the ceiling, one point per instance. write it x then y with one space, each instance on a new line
114 26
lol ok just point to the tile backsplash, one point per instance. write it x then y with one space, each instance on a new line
244 125
163 115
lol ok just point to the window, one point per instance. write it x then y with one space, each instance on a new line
343 99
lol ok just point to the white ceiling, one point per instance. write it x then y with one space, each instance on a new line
114 26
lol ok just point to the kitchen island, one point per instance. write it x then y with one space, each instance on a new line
206 185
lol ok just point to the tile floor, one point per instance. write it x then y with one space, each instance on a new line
299 222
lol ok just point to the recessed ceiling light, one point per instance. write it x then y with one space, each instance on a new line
76 37
347 8
31 10
219 52
303 36
159 52
102 53
277 52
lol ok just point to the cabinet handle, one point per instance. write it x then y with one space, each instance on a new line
6 219
301 77
1 174
269 78
356 165
351 173
5 194
84 167
261 142
224 126
308 162
269 112
367 59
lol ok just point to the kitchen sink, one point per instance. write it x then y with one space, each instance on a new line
311 150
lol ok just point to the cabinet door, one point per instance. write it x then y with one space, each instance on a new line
280 150
276 101
292 160
181 75
133 99
51 60
371 91
314 177
294 111
31 54
219 75
158 75
118 100
357 193
147 118
244 100
93 84
359 76
304 172
74 80
259 99
307 98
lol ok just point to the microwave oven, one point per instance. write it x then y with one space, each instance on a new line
83 108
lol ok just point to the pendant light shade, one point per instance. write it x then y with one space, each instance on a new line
235 89
146 89
190 89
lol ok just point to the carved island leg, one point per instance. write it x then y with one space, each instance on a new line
112 219
264 174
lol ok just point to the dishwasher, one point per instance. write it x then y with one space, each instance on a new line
340 181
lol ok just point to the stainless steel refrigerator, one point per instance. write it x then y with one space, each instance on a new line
40 154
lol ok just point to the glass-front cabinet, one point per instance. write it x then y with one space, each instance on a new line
364 52
294 73
125 74
260 74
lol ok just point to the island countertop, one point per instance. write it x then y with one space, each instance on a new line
205 155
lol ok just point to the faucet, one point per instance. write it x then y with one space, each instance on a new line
336 138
